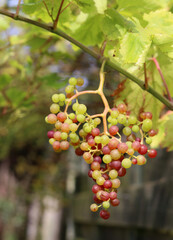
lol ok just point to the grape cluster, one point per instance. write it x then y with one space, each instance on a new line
110 152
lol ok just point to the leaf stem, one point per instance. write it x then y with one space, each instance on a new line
50 14
58 14
162 77
18 8
145 75
109 63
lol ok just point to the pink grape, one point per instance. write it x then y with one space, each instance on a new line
50 134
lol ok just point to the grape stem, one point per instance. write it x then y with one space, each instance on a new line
100 92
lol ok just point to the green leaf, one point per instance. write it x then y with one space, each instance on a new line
53 80
16 96
101 6
5 79
4 23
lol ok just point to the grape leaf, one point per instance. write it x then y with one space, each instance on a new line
5 79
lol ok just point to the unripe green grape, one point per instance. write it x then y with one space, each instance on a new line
73 81
62 97
73 127
114 114
135 128
127 131
148 140
69 121
126 124
126 163
81 109
46 119
97 139
114 121
121 119
129 144
61 103
82 133
75 106
67 102
88 129
81 118
54 108
69 89
75 140
55 98
147 125
113 174
132 120
72 116
51 140
104 139
109 119
64 135
100 180
73 135
107 158
106 204
109 125
97 121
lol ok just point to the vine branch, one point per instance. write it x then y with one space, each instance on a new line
18 8
109 63
58 14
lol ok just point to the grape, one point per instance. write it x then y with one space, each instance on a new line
97 139
126 163
152 133
72 116
113 174
152 153
98 159
94 207
143 149
81 109
104 196
61 117
57 135
56 145
115 183
95 132
73 127
129 144
132 120
109 119
51 140
112 195
135 128
96 188
65 127
100 180
50 134
64 145
115 154
96 174
122 147
51 118
69 89
72 81
95 166
127 131
115 202
58 125
106 150
114 114
84 146
75 106
55 98
106 204
104 214
97 121
113 143
115 165
80 81
64 135
130 151
69 121
61 103
122 108
113 130
87 156
148 140
148 115
90 173
81 118
107 158
79 152
121 119
104 139
147 125
142 115
88 129
107 184
114 121
134 161
91 142
62 97
54 108
141 160
97 200
121 172
131 137
82 133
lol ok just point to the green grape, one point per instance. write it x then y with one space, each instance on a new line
75 140
100 180
97 139
81 109
72 116
127 131
54 108
109 119
64 135
129 144
75 106
132 120
67 102
51 140
55 98
106 204
88 129
69 89
73 127
73 81
80 81
147 125
109 125
82 133
104 139
126 163
135 128
81 118
113 174
114 114
107 158
69 121
148 140
62 97
73 135
96 174
114 121
97 121
61 103
122 119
